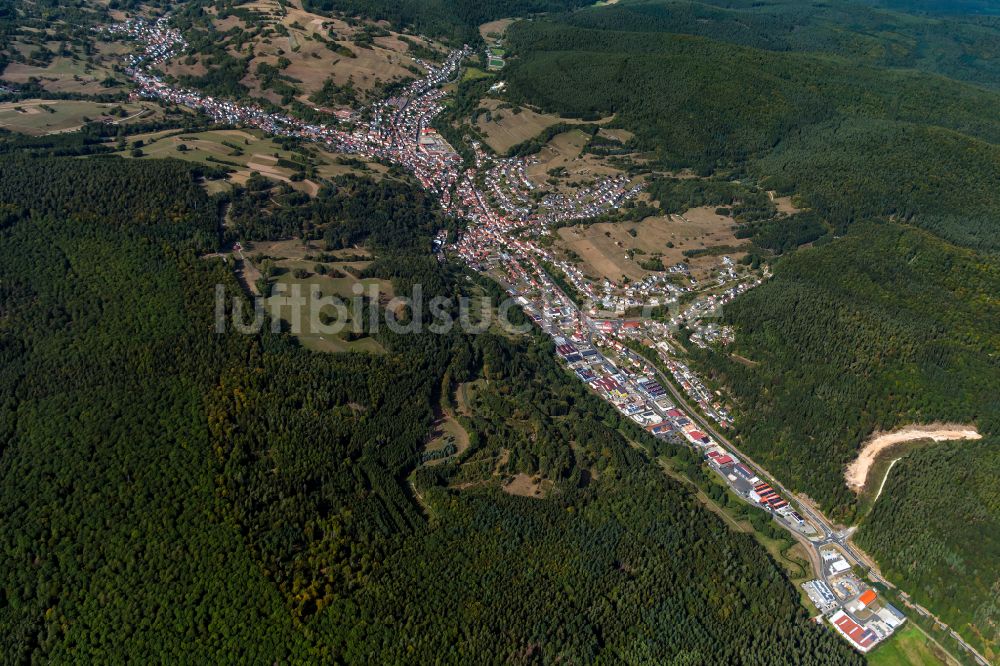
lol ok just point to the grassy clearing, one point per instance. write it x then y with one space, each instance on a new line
505 128
305 324
447 431
245 151
498 27
524 485
52 116
465 395
296 249
908 647
474 73
610 250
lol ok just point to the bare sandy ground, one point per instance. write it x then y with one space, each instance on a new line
856 473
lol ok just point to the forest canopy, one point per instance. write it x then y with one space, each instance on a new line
178 494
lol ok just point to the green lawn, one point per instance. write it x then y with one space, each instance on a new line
474 73
908 646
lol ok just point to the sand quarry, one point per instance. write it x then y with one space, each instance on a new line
856 474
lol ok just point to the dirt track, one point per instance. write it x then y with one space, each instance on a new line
856 473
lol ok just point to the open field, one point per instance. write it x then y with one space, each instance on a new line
465 396
253 152
527 486
908 647
447 430
473 74
37 117
498 27
565 152
504 128
310 61
69 73
602 247
856 474
621 135
284 257
784 204
305 325
296 250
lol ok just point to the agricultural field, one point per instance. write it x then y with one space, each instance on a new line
38 117
246 151
609 250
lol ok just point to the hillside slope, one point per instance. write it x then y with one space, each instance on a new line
892 320
960 47
171 493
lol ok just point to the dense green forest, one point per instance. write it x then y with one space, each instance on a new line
949 8
384 213
961 47
939 179
170 493
934 492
